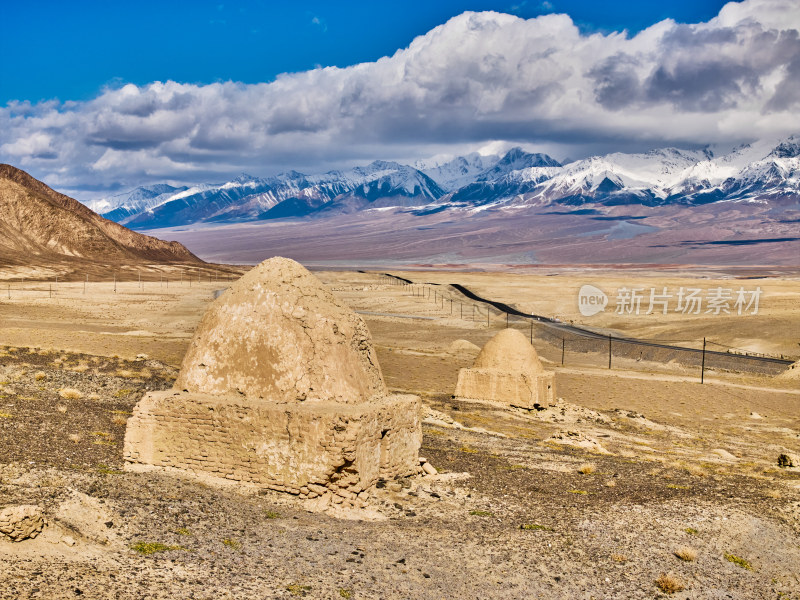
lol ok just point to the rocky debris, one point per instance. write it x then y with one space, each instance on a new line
21 522
90 517
788 460
560 411
280 388
507 371
577 439
427 467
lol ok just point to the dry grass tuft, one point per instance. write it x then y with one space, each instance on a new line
686 553
70 393
75 437
587 469
620 558
81 368
669 584
119 420
94 396
126 374
40 375
62 408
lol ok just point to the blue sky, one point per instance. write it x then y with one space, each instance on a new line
71 50
102 96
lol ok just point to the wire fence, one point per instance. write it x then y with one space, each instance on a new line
569 344
127 282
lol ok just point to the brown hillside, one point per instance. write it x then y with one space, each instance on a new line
39 225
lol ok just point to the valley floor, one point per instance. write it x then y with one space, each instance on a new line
593 497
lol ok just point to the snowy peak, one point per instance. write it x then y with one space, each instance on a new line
516 159
454 173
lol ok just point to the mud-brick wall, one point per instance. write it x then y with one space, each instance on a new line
514 389
307 449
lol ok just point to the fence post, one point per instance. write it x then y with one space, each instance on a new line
563 344
609 351
703 363
506 320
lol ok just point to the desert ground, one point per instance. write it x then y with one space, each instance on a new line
639 482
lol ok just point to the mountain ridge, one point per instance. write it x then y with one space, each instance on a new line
38 223
517 179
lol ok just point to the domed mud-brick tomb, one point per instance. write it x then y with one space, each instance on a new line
507 371
280 388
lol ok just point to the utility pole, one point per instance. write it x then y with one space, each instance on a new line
703 363
609 351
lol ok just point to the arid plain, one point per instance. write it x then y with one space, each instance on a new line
638 481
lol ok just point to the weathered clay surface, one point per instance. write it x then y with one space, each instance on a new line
278 335
280 388
21 522
507 371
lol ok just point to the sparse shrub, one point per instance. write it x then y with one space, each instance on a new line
534 527
152 547
232 544
295 589
620 558
271 514
669 584
587 469
123 392
119 420
580 492
126 374
467 449
70 393
686 553
81 368
40 375
5 415
675 486
345 593
691 531
739 561
481 513
105 470
183 531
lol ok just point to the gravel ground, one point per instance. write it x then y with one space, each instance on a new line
507 517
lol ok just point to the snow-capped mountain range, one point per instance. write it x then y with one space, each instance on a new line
754 172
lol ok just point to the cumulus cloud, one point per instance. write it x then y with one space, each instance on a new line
477 79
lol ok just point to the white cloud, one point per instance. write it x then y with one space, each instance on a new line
480 79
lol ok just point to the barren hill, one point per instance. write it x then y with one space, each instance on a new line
39 226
